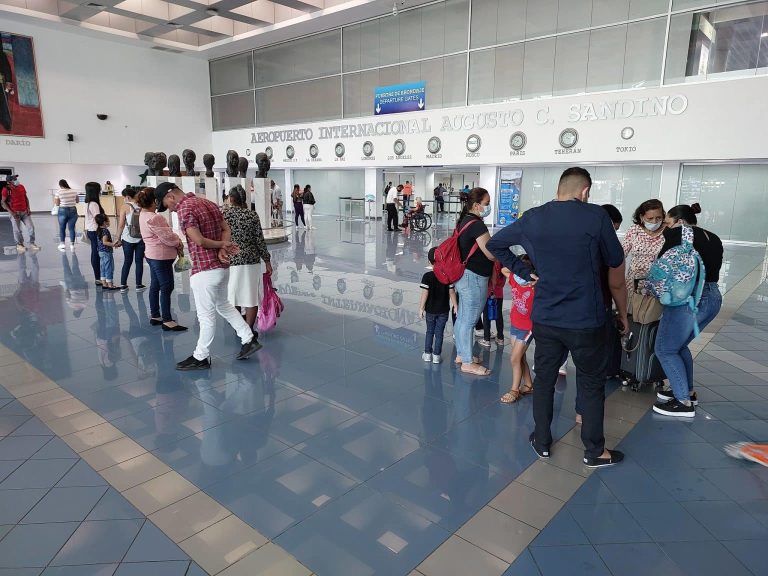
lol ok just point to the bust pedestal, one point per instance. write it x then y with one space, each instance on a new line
188 184
208 187
262 200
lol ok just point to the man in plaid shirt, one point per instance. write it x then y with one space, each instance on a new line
210 247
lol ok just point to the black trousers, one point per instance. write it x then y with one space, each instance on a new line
588 352
391 216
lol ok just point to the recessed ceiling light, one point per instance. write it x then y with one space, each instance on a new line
175 24
212 12
95 5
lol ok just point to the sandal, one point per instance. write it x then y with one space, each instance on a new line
526 390
475 360
475 370
511 397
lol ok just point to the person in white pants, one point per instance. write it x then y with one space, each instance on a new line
210 247
308 199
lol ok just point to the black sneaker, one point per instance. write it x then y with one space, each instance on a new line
193 363
140 288
674 408
543 454
249 348
667 395
614 458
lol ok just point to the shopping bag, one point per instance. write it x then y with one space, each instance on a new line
271 306
182 263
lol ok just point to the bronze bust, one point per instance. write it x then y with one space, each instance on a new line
174 165
208 161
242 167
161 161
188 157
148 156
262 164
232 161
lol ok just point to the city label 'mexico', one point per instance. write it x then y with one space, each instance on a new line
637 108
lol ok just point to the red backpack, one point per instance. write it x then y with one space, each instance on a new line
448 267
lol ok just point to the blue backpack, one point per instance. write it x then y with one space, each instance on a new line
677 277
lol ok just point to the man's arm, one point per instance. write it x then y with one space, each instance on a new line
499 246
194 235
618 287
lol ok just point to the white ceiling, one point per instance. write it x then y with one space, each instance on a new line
210 28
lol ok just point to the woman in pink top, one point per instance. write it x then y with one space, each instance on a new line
161 247
644 240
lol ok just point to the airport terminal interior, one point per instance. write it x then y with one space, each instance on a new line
340 447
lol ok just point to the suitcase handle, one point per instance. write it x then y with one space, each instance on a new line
626 340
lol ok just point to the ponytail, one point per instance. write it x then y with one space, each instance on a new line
237 193
685 212
146 197
475 196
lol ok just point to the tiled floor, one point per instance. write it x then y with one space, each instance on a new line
338 445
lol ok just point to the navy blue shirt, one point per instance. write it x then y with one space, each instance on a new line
570 243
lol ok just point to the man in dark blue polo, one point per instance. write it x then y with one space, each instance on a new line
570 243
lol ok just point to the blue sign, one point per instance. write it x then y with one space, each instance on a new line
400 98
508 206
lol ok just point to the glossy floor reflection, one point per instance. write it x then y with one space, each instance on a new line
336 440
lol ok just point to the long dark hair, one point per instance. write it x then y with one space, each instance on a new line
647 206
129 191
146 198
93 194
475 196
685 212
237 195
63 184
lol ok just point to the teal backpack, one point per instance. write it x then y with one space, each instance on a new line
677 277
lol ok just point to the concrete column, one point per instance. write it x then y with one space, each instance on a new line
489 181
287 191
670 181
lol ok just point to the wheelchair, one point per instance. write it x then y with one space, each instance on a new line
420 221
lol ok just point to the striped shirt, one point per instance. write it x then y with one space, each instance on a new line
67 198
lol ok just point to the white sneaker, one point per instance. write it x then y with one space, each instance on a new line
62 247
435 358
427 357
72 246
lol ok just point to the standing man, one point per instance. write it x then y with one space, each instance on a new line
392 203
16 203
439 197
407 193
570 243
277 204
210 247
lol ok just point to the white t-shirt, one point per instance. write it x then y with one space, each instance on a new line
392 195
277 194
90 216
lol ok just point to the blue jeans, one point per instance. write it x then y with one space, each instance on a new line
676 332
435 329
67 221
472 290
131 251
160 288
406 203
107 265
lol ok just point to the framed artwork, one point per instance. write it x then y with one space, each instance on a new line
21 113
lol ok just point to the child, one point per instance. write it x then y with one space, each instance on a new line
495 289
105 246
520 329
436 301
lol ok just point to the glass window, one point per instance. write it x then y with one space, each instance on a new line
433 29
725 42
233 111
643 8
454 81
432 75
645 43
508 73
350 37
481 73
301 59
389 41
326 184
305 101
541 18
571 59
410 35
606 58
369 45
609 11
485 17
456 24
233 74
352 96
573 15
510 25
538 68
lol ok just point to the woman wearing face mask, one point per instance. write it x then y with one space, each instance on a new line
643 240
472 287
676 326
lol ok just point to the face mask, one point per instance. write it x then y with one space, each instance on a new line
520 281
652 227
486 211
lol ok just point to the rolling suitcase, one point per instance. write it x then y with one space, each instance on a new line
638 357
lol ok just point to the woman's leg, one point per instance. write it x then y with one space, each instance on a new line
709 307
308 209
71 222
138 255
128 250
472 291
63 215
166 288
95 261
674 332
154 290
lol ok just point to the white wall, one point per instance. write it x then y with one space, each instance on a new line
155 101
